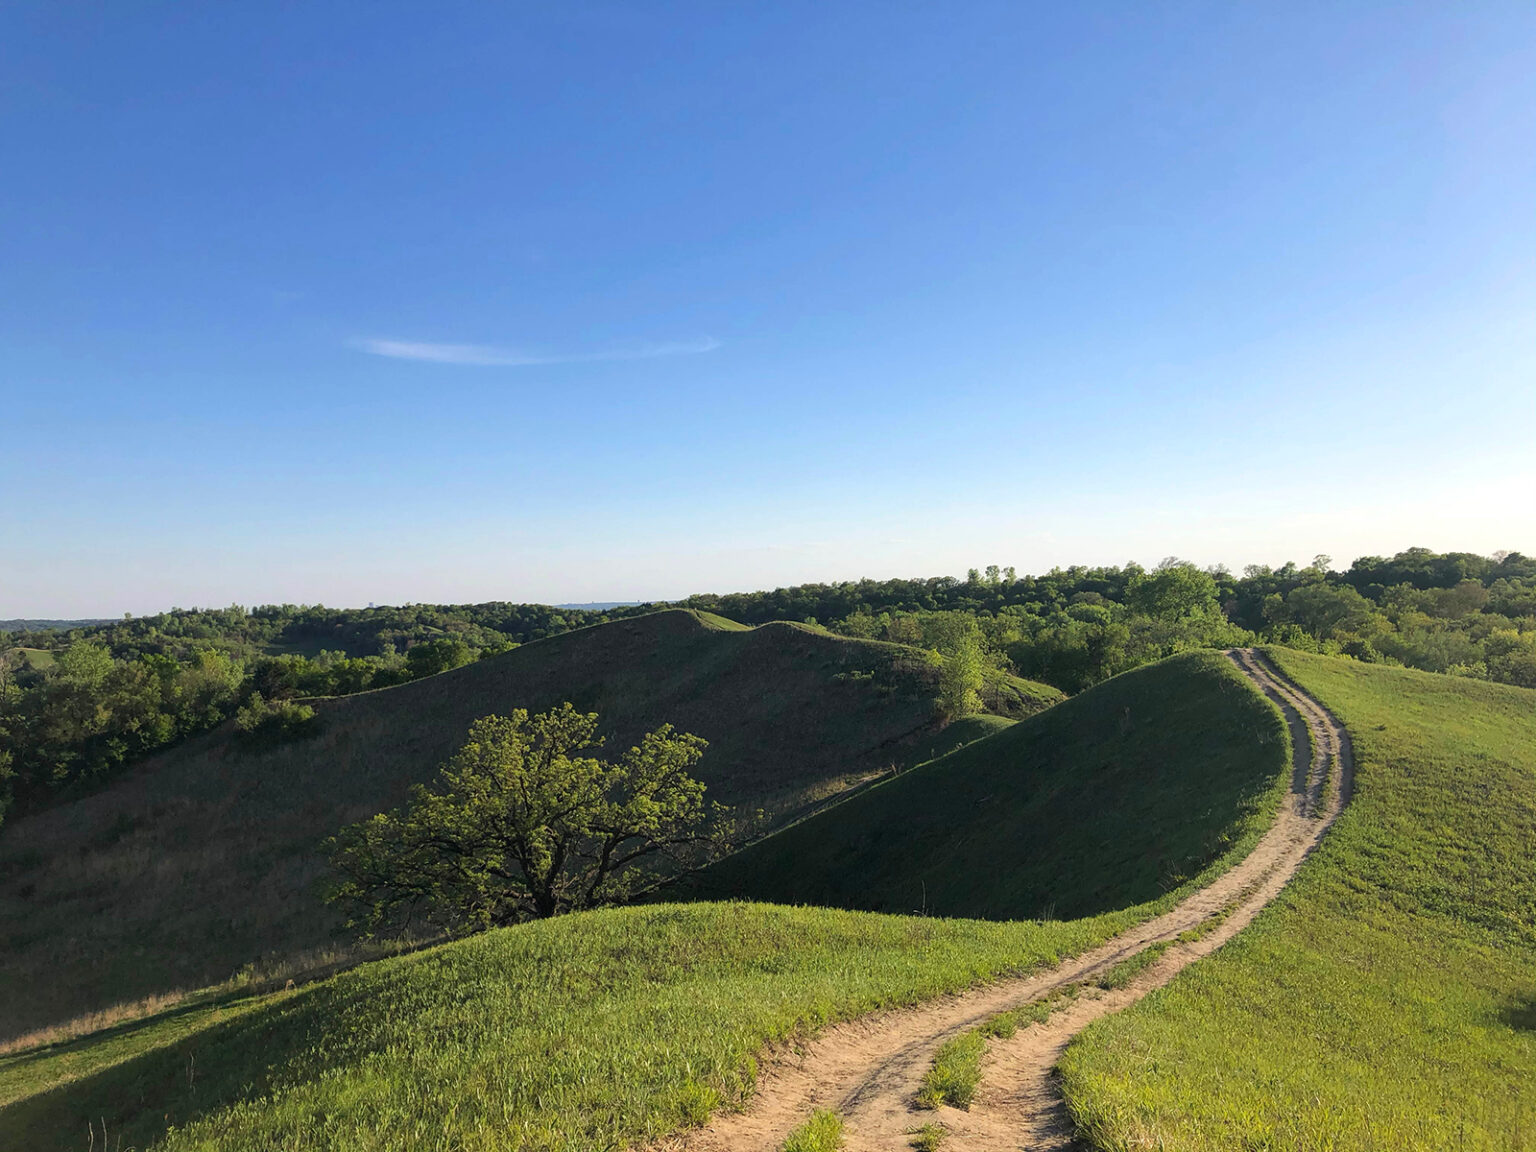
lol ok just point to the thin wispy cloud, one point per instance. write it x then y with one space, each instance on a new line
487 355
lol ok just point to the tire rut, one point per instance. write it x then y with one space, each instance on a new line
869 1070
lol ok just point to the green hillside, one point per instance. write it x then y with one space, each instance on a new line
40 658
1388 999
1112 798
469 1045
584 1032
203 859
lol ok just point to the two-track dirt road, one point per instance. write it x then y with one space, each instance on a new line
869 1070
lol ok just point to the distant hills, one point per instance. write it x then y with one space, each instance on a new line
44 625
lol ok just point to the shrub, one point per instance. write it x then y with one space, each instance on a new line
265 722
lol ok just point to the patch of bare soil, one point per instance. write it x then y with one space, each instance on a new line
869 1070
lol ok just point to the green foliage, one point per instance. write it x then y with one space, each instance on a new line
1177 590
1077 626
525 823
1005 1025
823 1132
961 678
955 1074
928 1138
83 715
440 655
100 695
1385 1000
1115 796
266 722
470 1045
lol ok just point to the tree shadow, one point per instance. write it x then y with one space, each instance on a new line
1521 1015
126 1028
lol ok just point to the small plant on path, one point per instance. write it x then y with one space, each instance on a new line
1121 975
928 1138
823 1132
955 1074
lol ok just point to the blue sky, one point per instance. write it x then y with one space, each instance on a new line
373 302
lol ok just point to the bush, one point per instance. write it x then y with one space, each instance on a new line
265 722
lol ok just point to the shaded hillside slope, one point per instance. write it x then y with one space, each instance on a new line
1112 798
204 858
1388 998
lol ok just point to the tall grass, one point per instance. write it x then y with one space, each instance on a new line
1388 999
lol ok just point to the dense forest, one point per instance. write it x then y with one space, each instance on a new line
77 704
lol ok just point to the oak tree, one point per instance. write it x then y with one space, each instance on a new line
525 821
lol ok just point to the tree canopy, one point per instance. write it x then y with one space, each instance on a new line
524 822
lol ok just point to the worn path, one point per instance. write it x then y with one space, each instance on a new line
869 1070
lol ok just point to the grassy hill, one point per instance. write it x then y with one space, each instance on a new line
469 1045
31 657
1112 798
203 859
1388 999
588 1031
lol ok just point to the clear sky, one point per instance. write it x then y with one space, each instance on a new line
372 302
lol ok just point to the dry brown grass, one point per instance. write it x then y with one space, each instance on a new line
95 1021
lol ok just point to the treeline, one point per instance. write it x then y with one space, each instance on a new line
354 632
1457 612
77 704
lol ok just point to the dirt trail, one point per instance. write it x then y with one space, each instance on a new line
869 1070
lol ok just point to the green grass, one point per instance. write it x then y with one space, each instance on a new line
823 1132
1111 798
1388 998
928 1138
956 1072
39 658
952 737
1005 1025
205 858
589 1031
1121 975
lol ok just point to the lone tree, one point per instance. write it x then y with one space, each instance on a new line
524 822
963 673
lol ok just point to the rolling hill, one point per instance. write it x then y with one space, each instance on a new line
1383 1000
1110 799
203 859
1388 998
469 1044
